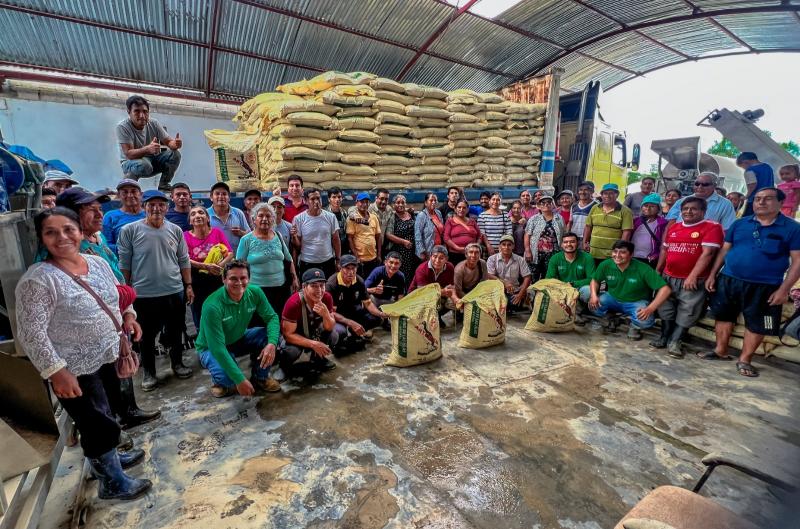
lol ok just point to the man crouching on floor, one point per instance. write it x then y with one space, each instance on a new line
224 335
308 324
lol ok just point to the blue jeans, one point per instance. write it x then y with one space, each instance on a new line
253 341
166 163
628 308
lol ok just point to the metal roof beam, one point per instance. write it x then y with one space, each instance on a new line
783 8
435 35
624 25
332 25
215 8
166 38
729 33
109 84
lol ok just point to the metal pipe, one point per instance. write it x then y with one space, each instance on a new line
216 8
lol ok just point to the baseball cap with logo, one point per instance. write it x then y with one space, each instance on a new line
313 275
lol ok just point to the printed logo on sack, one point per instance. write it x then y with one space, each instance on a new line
475 321
402 336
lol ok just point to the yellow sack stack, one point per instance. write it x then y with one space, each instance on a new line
415 328
484 316
554 306
236 158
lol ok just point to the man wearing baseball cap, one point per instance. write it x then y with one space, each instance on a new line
355 314
607 223
364 235
58 181
308 324
129 193
154 259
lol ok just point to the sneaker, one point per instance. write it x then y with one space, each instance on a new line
181 371
634 333
269 385
221 391
149 382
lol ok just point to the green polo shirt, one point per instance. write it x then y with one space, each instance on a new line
607 228
636 283
578 273
224 321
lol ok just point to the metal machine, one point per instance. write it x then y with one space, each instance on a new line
684 161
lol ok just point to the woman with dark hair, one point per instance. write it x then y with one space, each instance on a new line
65 307
670 197
251 198
518 223
493 224
460 231
428 228
90 217
200 240
402 237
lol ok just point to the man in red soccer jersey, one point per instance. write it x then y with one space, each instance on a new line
689 250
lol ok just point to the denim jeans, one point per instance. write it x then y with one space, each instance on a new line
253 341
628 308
166 163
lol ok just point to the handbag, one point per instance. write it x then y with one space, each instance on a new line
127 362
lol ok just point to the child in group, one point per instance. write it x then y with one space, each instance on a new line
790 185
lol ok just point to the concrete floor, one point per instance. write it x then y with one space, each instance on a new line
547 431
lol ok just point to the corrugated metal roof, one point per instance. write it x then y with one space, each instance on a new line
259 44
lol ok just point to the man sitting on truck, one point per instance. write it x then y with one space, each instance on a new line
757 175
145 148
630 285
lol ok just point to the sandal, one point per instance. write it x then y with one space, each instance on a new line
746 370
711 355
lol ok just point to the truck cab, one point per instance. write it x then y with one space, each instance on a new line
588 147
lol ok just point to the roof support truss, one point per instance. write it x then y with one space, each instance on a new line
720 27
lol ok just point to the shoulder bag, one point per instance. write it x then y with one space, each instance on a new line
128 362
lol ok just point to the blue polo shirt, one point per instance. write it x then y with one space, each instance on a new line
719 210
760 254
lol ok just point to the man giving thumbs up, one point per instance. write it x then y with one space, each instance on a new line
145 147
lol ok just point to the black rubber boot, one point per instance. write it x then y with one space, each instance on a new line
113 483
126 460
667 326
131 414
180 370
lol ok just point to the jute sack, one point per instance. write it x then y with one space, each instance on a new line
430 102
484 316
391 129
312 119
434 142
348 170
386 95
293 131
350 112
387 105
398 119
368 158
429 132
358 135
325 81
422 91
358 122
382 83
387 139
351 146
432 122
415 327
427 112
310 177
304 153
554 306
394 149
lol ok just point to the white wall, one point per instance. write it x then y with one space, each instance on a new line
82 135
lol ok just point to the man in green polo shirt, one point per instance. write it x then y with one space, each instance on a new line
572 265
630 286
224 335
607 223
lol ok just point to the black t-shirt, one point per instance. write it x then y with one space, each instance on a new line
346 299
392 286
181 219
446 211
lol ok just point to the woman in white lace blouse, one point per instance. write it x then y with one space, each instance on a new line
74 344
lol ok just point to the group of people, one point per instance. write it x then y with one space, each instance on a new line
129 273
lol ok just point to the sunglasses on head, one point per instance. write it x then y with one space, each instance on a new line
703 184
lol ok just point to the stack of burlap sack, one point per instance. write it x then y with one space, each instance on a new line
785 347
359 131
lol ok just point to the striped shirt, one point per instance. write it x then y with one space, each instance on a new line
494 226
578 217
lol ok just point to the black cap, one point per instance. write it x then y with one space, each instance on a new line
223 185
313 275
75 197
348 260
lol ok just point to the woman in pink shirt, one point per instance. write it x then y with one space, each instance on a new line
206 277
459 231
790 185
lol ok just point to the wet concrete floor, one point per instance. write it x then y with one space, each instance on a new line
546 431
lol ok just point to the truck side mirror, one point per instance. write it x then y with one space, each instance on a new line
635 156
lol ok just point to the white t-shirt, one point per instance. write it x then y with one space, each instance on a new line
315 235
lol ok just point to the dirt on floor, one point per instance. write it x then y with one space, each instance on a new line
545 431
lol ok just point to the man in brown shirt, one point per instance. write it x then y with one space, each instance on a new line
469 272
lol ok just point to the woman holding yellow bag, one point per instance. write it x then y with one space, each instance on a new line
209 250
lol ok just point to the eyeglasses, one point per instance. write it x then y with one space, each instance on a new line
703 184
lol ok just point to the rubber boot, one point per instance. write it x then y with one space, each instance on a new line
125 442
126 460
131 414
667 326
675 342
180 370
113 483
